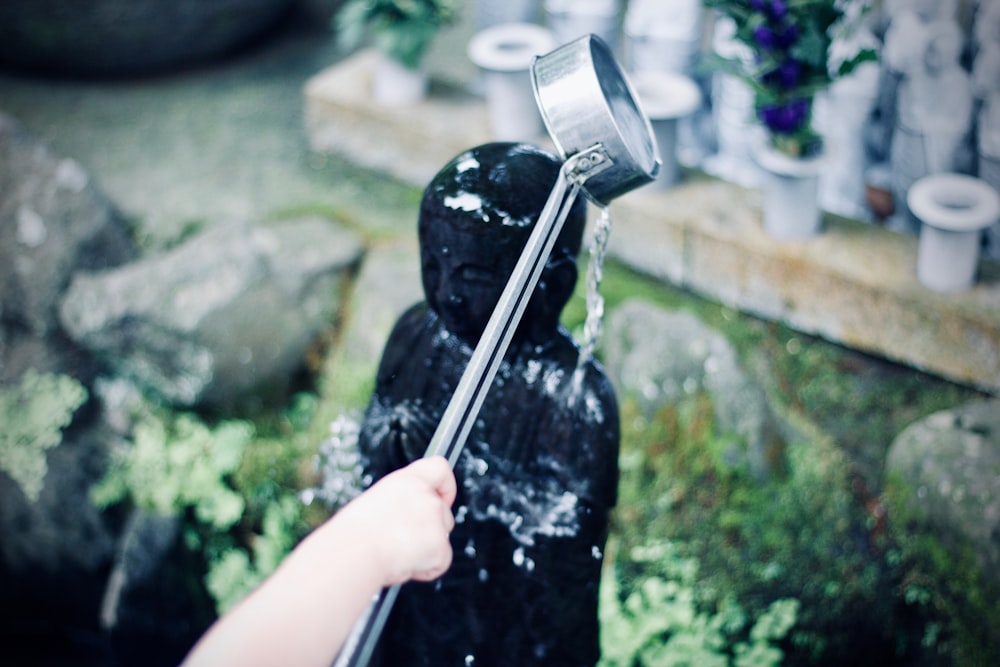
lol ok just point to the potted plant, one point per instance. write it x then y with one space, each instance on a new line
402 31
797 49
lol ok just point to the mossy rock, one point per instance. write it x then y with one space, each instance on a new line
943 498
127 37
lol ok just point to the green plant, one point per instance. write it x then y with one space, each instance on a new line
796 535
942 583
176 466
792 42
233 573
233 490
402 29
33 414
659 618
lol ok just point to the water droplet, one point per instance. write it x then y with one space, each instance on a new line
484 575
480 466
520 560
470 549
595 551
470 660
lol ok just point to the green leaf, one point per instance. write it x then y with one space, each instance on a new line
33 414
230 579
811 47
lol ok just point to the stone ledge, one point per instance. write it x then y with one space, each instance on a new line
855 284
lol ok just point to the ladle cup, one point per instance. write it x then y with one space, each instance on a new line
593 116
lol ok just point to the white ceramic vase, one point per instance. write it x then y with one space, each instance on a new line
791 194
497 12
953 209
662 36
504 54
569 19
395 84
666 98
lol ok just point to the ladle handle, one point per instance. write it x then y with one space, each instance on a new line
463 408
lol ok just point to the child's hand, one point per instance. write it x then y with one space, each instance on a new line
408 514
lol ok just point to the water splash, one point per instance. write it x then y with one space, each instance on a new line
523 561
527 508
338 464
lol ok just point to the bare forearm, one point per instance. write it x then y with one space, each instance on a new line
301 614
396 531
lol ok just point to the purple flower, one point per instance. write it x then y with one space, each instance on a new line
788 35
757 5
787 74
778 9
765 37
785 118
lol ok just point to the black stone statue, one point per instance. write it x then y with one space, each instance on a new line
539 472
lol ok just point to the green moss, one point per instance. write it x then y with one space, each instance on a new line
800 536
955 602
33 414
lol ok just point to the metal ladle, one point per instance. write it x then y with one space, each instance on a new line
593 116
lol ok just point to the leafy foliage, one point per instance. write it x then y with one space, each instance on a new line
792 43
942 582
403 29
662 621
33 414
234 489
233 573
797 535
171 468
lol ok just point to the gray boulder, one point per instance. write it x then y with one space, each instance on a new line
949 464
661 357
53 221
231 311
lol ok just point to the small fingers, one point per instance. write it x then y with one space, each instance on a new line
436 471
438 568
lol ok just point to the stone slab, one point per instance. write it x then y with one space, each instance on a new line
855 284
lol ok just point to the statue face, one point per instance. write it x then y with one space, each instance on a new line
464 273
475 218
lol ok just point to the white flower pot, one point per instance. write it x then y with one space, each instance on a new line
504 54
394 84
662 36
569 19
666 98
497 12
953 210
791 194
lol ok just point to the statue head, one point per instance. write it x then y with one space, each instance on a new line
475 218
944 47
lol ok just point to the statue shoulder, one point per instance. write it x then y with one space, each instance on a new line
408 334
